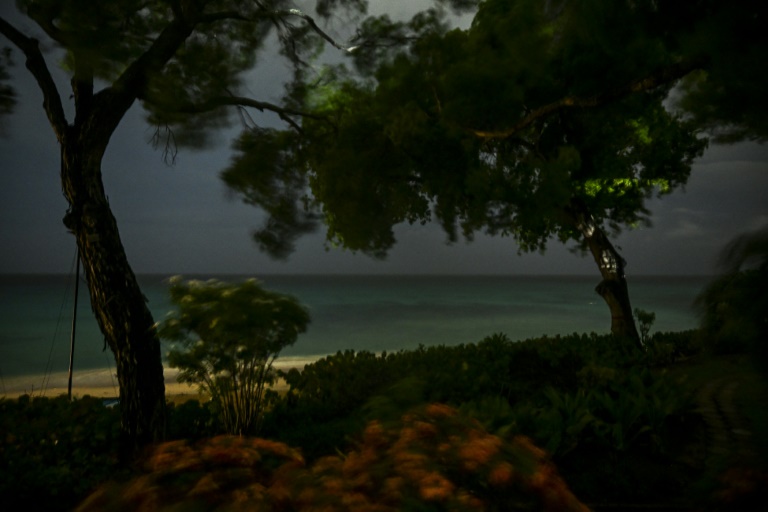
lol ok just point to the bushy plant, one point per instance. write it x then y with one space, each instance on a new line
223 473
666 348
734 311
329 394
579 350
589 399
614 410
612 417
431 458
645 320
734 307
191 420
227 337
54 451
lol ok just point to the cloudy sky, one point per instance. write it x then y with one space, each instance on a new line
180 219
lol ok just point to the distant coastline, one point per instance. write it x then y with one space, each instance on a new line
374 313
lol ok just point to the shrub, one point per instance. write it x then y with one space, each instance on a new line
432 458
330 393
191 420
645 319
54 451
734 311
227 337
222 473
734 307
665 348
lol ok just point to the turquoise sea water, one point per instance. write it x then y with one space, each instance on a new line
373 313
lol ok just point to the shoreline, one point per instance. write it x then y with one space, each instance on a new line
102 383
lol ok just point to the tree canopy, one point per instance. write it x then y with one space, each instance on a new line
541 120
726 96
491 128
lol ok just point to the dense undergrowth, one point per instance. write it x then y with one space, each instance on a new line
609 417
593 402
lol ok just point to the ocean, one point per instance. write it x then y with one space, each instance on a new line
374 313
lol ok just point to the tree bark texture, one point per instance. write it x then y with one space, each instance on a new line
613 288
117 302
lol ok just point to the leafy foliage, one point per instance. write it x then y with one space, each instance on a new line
53 451
368 433
332 393
352 385
591 400
228 336
226 39
280 189
615 413
531 123
417 125
226 471
645 319
192 420
727 96
430 459
733 307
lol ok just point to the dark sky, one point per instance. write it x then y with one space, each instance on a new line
179 219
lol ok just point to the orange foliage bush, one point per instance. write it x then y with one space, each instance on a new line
432 456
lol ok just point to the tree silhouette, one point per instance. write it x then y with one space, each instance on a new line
185 62
541 121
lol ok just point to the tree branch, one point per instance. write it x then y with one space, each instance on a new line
660 77
311 22
234 15
35 63
112 102
239 101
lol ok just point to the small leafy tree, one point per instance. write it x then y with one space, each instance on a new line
228 336
645 319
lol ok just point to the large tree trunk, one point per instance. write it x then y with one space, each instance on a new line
613 288
117 302
116 299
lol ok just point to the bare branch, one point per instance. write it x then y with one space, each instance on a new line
661 77
382 42
170 148
273 15
285 114
311 22
36 65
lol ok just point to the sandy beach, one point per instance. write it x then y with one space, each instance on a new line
102 383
